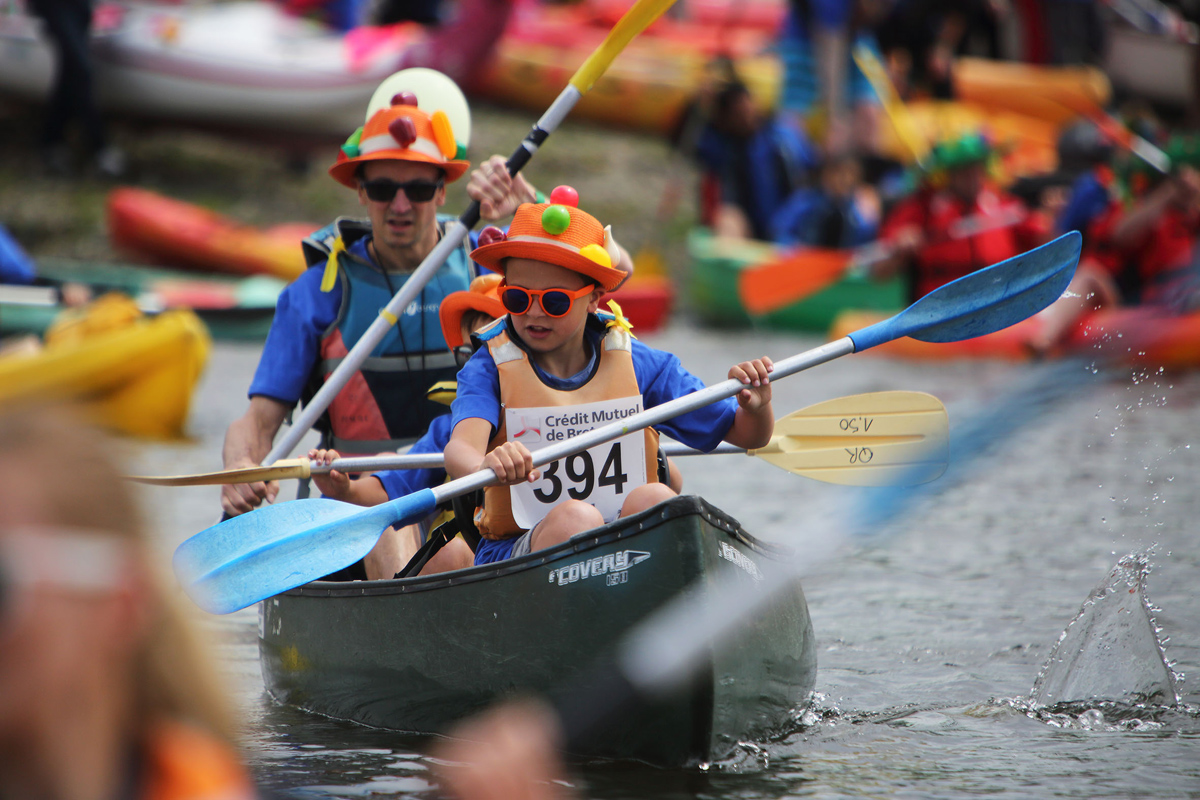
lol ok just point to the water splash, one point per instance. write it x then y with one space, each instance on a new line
1113 649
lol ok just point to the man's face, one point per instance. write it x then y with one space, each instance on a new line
541 332
401 224
967 181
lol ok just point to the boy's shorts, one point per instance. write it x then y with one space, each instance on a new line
492 550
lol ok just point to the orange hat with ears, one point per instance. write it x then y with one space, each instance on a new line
557 233
402 132
483 296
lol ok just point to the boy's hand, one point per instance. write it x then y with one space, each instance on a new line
498 193
512 462
756 375
334 485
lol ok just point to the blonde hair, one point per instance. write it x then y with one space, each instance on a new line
82 488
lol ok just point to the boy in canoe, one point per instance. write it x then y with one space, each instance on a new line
461 314
553 367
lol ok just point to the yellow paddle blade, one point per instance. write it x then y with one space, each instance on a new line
636 20
902 120
280 470
878 439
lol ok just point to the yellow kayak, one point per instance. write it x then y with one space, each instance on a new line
134 374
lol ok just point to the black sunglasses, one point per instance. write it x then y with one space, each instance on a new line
383 190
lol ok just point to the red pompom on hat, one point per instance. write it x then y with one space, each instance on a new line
557 234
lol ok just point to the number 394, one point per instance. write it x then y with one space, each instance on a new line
580 474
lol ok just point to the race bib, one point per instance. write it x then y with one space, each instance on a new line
603 476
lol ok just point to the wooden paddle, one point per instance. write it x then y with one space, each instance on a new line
862 440
798 274
630 25
251 557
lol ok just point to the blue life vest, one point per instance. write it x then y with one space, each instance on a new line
384 405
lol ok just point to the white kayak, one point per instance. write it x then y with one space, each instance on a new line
243 65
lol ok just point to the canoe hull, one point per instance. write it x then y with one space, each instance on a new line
350 651
716 264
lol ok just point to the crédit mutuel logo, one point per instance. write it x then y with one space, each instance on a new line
613 565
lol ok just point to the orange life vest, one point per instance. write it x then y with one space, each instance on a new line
521 387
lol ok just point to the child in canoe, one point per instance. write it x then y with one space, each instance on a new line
461 314
554 367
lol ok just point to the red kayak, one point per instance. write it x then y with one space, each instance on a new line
1144 334
170 232
645 300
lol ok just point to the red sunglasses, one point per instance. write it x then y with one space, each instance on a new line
555 302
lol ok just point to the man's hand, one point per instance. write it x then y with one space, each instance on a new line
498 193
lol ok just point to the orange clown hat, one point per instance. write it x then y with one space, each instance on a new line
402 132
483 295
557 233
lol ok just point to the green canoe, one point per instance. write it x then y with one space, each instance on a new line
236 308
418 654
716 264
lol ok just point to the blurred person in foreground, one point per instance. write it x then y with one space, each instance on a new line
511 752
105 690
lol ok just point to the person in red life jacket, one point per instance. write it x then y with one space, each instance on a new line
106 690
399 164
1142 250
553 368
958 221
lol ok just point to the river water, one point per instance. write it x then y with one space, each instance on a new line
931 631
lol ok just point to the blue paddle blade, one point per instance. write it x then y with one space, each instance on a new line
238 562
985 301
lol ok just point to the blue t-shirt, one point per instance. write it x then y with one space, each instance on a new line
803 220
303 314
399 482
660 376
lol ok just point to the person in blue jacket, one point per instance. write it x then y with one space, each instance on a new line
828 214
757 160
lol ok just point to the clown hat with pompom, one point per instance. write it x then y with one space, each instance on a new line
483 296
402 132
558 233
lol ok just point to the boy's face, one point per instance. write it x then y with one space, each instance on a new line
543 333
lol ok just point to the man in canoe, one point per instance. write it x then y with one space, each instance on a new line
399 164
552 368
958 221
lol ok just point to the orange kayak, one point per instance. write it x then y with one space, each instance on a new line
171 232
1143 334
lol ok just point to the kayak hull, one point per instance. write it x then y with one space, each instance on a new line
716 264
237 309
135 379
1143 334
419 654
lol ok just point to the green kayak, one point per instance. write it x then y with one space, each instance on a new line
418 654
233 308
716 264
